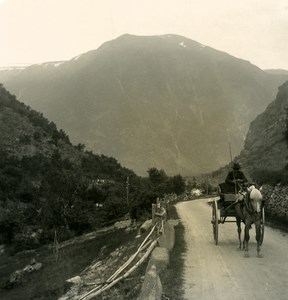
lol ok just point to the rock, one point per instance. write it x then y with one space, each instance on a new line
34 266
160 259
28 269
63 298
75 280
122 224
167 239
147 225
37 266
174 222
152 287
15 278
129 229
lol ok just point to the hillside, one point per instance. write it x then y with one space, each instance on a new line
265 147
24 132
107 249
163 101
277 71
47 184
264 157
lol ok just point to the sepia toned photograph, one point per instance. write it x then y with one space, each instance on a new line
143 150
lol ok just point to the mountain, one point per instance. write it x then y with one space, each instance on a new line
277 71
264 158
152 101
9 72
266 144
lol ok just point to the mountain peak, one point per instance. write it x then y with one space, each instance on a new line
161 101
168 38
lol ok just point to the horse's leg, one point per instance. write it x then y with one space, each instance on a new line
258 235
247 236
238 222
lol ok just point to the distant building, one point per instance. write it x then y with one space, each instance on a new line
196 192
99 182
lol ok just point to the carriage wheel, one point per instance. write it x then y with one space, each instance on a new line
214 221
262 226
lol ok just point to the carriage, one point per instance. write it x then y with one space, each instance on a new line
224 210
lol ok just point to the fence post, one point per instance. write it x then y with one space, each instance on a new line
154 235
56 246
153 213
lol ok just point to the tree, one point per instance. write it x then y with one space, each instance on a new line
80 147
177 184
157 176
286 123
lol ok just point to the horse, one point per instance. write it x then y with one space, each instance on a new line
248 208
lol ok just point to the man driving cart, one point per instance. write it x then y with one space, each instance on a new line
233 182
235 178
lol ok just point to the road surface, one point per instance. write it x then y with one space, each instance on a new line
221 272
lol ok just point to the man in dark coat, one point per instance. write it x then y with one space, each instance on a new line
235 177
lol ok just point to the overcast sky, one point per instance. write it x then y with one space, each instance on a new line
35 31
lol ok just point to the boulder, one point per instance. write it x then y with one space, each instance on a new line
147 225
152 287
160 259
167 239
75 280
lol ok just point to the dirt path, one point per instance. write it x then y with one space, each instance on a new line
221 272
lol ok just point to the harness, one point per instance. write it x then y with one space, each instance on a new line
243 198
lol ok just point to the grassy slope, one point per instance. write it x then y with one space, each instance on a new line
49 282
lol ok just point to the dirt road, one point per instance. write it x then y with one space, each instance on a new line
221 272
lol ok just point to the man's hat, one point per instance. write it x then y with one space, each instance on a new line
236 166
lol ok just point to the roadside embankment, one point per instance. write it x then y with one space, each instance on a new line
276 202
158 263
159 260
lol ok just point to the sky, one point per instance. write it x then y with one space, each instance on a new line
37 31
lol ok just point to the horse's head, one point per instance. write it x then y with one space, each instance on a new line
255 197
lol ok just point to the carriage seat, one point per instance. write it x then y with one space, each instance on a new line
226 193
226 188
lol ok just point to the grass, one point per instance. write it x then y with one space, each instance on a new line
49 282
277 222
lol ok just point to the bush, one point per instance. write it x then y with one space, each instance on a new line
25 241
272 177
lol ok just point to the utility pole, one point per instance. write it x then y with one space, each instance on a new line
127 195
235 185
